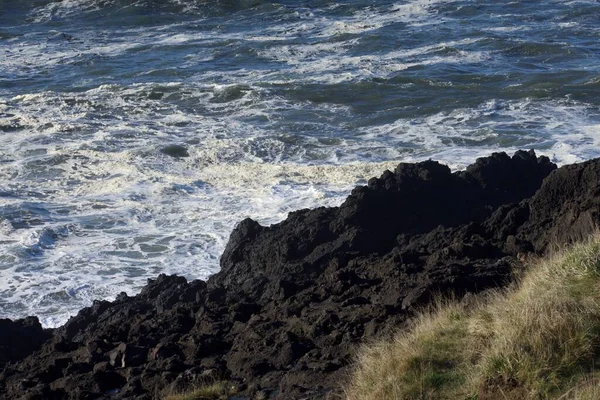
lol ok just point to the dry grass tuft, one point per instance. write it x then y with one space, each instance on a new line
213 391
538 340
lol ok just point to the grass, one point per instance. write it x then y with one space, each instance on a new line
539 339
214 391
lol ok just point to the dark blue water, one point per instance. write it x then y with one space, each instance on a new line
274 106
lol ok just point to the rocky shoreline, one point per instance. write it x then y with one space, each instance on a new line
284 316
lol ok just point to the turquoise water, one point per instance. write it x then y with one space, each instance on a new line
277 106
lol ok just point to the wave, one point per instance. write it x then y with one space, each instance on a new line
137 133
120 10
113 210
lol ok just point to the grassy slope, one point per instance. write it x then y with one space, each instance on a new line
537 340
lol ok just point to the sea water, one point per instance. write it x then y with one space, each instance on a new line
274 106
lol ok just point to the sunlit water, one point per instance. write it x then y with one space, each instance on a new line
278 105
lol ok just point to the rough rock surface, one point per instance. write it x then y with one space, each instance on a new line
292 301
20 338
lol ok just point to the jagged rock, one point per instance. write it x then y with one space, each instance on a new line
125 355
292 301
566 208
20 338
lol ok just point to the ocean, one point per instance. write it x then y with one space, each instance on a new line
135 134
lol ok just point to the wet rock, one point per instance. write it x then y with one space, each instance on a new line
60 36
175 150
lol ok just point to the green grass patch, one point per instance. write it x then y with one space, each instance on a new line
537 340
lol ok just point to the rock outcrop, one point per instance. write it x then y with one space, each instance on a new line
20 338
292 301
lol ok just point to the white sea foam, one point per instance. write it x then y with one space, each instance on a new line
509 28
29 58
160 222
329 63
109 217
325 62
130 212
565 131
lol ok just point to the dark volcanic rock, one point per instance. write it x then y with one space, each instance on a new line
566 208
292 301
20 338
175 150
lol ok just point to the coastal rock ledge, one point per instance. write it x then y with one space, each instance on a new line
292 302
